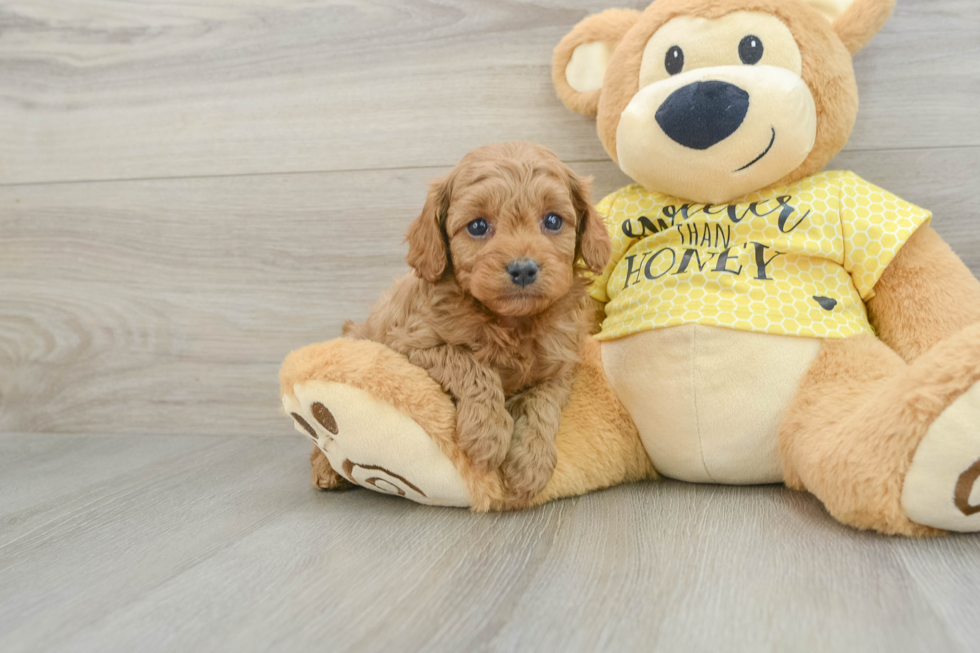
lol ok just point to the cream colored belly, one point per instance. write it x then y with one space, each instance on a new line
708 401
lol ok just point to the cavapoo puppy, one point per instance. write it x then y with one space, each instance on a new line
497 307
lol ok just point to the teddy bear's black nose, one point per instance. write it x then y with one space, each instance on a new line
702 114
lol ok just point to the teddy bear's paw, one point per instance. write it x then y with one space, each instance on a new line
942 486
371 443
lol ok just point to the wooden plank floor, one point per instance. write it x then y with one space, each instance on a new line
190 190
207 543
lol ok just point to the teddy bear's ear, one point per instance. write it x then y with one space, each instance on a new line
579 62
855 21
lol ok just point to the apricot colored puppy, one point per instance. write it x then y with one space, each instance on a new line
497 308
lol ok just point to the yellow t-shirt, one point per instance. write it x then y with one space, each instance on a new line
797 260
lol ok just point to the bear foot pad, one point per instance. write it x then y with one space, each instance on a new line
942 486
373 444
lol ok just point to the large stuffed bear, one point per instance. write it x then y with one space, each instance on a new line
764 321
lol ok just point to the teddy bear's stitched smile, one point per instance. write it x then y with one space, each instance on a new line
772 141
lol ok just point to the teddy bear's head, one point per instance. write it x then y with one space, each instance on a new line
708 100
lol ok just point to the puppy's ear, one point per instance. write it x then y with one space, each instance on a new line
426 235
855 21
579 61
592 240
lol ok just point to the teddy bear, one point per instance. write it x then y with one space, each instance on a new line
763 321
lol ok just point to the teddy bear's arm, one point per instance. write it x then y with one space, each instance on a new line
924 296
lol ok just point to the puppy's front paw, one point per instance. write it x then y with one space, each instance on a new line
323 475
527 469
483 432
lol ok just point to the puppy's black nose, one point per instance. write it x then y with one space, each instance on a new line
702 114
523 271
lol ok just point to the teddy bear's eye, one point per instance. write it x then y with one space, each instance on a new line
750 50
674 62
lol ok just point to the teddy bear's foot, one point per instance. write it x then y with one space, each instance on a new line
888 445
942 486
379 421
372 444
384 424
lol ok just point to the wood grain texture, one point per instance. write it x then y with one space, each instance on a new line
105 89
176 543
162 306
190 190
167 305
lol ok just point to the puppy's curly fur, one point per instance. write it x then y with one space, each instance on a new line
504 350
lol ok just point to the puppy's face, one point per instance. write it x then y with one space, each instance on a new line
514 220
511 231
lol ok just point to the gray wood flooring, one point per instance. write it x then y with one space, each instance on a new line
181 543
189 190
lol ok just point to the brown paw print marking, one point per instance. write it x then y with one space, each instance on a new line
386 485
324 416
306 426
964 487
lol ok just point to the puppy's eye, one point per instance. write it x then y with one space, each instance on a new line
477 228
674 62
750 50
552 222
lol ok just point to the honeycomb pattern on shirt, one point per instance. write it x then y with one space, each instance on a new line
797 260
